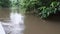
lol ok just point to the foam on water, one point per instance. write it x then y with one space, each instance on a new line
17 21
1 29
16 24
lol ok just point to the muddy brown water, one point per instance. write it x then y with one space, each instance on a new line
4 14
35 25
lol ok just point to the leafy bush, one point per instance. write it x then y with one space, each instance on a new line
9 3
30 4
5 3
44 7
15 3
52 9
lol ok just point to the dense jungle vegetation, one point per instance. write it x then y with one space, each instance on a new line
5 3
42 8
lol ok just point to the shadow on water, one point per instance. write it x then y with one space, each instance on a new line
36 25
54 17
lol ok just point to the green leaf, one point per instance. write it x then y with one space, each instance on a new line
55 4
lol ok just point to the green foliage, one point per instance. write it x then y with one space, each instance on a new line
45 7
55 4
52 9
30 4
15 3
46 11
9 3
5 3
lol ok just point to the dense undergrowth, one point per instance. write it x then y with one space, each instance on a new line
5 3
9 3
44 8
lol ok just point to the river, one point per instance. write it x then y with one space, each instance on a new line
18 23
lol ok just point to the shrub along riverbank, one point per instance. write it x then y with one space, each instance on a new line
5 3
44 8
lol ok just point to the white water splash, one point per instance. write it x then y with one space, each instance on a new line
16 24
17 21
1 29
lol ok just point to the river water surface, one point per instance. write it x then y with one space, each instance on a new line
17 23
